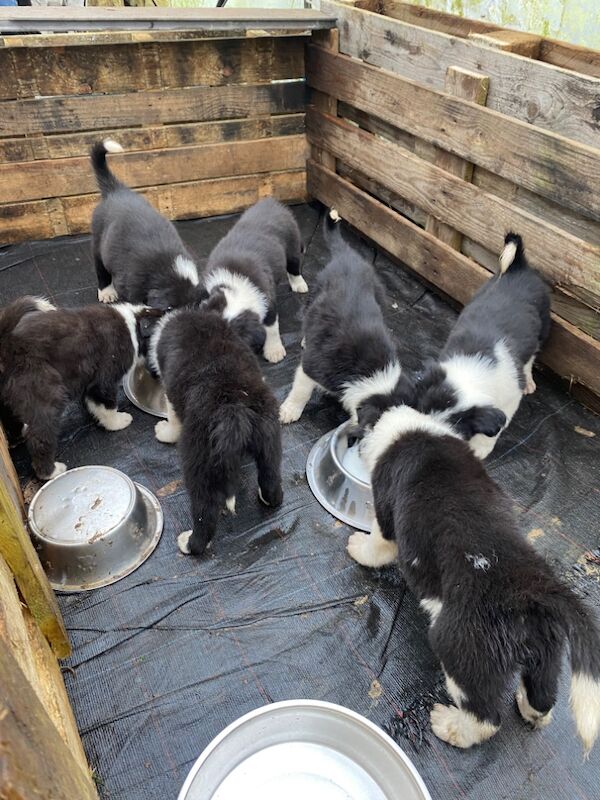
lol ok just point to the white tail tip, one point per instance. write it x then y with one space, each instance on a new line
44 305
507 256
585 705
334 215
111 146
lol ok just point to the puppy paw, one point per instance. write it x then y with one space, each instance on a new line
183 542
459 728
116 421
230 504
108 294
59 468
530 386
537 719
274 353
289 412
298 284
166 432
371 551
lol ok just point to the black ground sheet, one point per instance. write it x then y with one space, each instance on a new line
164 659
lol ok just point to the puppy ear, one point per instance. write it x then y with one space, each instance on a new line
367 415
486 420
250 329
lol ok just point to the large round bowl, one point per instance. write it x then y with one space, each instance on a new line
303 750
339 480
145 392
93 526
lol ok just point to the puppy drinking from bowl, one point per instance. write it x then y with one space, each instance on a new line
487 362
138 254
347 349
50 356
496 607
246 265
220 410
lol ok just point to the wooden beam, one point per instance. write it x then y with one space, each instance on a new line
570 353
531 91
328 40
548 164
481 216
470 86
519 42
35 180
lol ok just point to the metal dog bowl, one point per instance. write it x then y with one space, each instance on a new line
145 392
93 526
301 749
339 480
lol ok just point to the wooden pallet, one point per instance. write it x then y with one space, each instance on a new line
436 139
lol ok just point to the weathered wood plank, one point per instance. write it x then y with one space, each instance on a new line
519 42
389 198
470 86
532 91
44 219
35 762
34 180
547 164
482 217
571 56
570 353
197 104
157 137
329 40
112 69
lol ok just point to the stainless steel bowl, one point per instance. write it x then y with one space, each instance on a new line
301 749
339 480
145 392
93 526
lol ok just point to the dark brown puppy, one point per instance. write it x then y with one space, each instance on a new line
220 411
50 356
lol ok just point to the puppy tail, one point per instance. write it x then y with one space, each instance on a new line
107 182
231 433
512 256
14 313
331 228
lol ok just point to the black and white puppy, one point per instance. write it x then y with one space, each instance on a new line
138 254
348 350
496 608
50 356
487 361
220 410
246 265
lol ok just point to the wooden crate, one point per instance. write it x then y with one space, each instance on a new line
210 123
434 136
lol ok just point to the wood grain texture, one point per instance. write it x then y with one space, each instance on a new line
470 86
44 219
36 763
481 216
532 91
62 177
570 353
550 165
329 40
196 104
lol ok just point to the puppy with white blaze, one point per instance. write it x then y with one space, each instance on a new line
138 254
220 410
488 359
497 610
348 351
244 268
51 356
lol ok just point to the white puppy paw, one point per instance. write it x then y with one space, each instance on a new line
274 352
298 284
530 386
166 432
459 728
116 420
108 294
183 542
289 412
303 342
230 504
371 551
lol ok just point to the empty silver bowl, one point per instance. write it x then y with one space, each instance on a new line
93 526
145 392
339 480
299 749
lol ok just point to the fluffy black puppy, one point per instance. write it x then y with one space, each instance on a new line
50 356
487 361
348 350
138 254
495 605
220 410
246 265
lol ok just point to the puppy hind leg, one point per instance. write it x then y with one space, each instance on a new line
101 402
266 448
371 549
273 349
530 386
42 442
538 688
294 274
292 407
168 430
106 291
205 516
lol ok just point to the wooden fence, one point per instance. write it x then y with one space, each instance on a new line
434 145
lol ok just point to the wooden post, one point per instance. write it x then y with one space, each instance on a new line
468 86
519 42
328 40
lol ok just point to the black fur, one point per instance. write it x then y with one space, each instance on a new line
435 499
48 358
227 412
134 247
